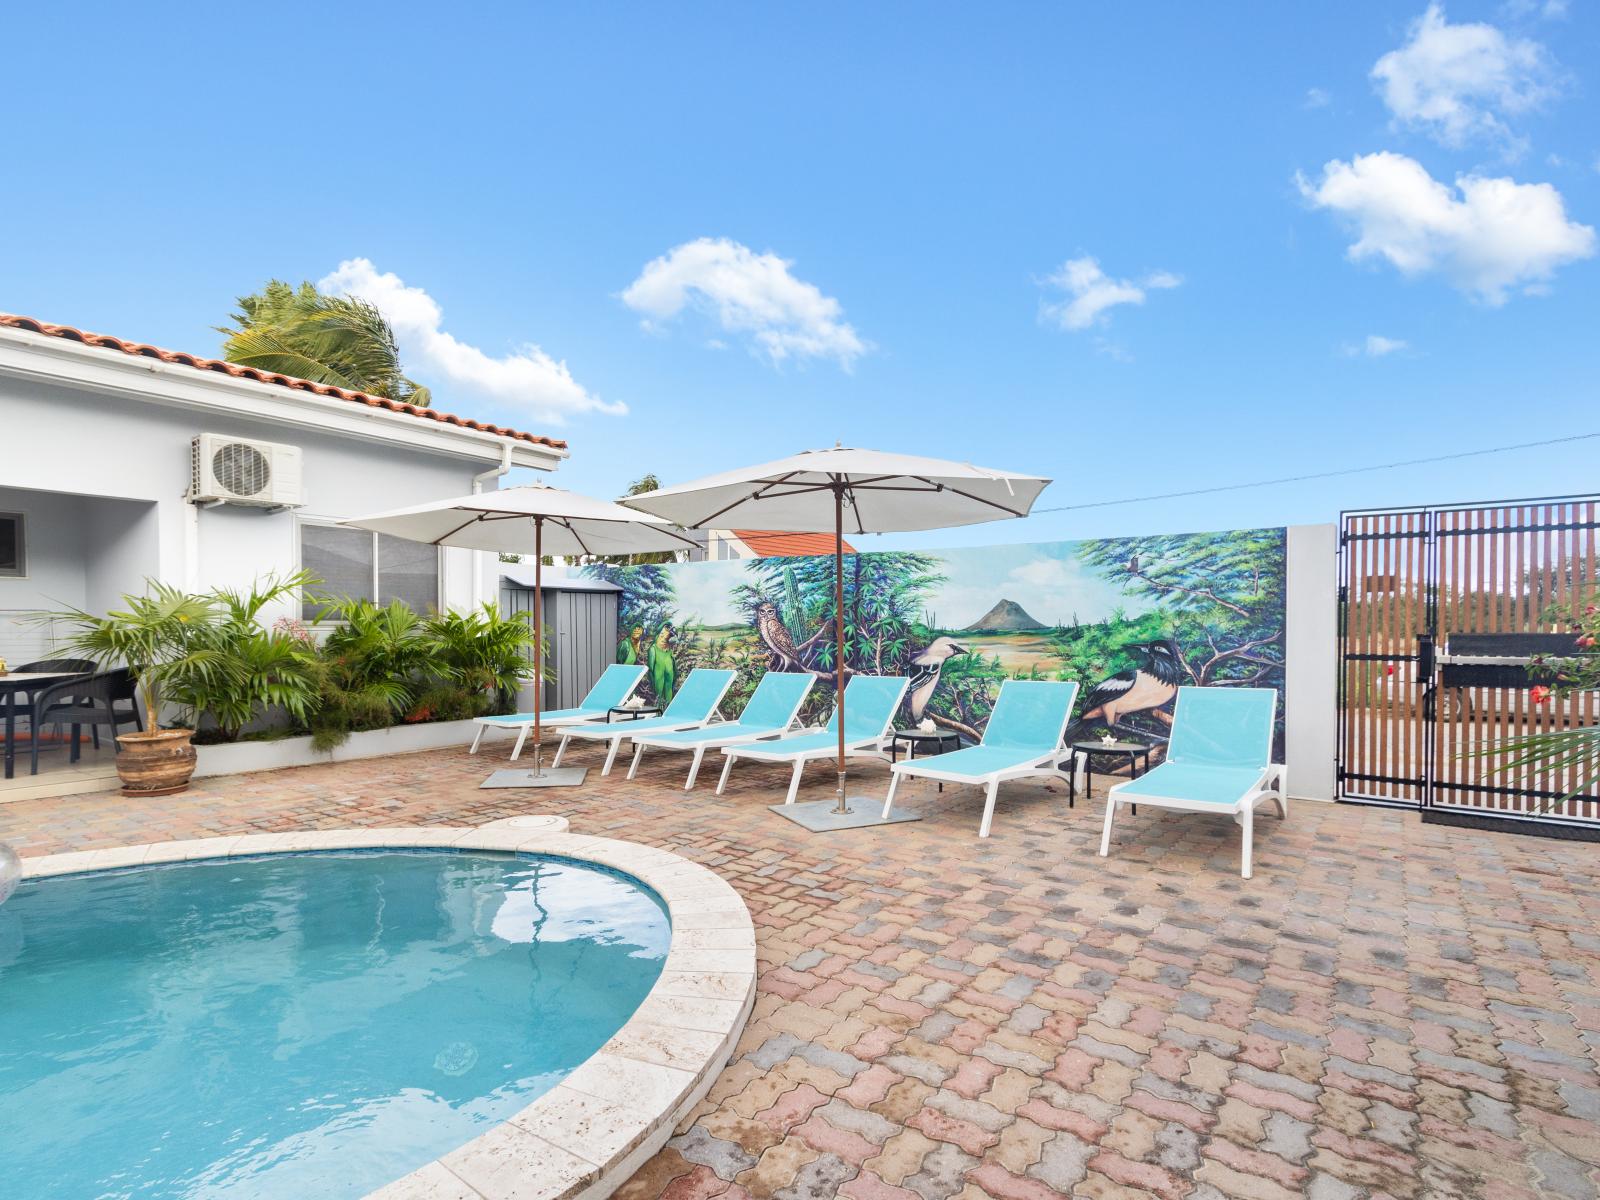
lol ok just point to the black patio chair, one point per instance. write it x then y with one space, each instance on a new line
87 701
44 666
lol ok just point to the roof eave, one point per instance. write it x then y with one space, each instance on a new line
46 359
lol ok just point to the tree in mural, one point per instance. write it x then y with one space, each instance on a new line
789 603
1216 598
883 593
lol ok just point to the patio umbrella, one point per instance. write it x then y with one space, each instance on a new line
867 490
533 520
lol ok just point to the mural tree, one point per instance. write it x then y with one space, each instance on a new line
883 593
1217 599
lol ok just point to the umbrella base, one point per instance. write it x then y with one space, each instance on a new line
819 816
544 777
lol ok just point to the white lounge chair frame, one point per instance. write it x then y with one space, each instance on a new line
774 751
699 749
1047 766
547 720
618 732
1272 784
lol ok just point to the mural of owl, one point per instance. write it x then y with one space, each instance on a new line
775 637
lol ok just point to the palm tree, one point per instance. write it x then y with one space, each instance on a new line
336 340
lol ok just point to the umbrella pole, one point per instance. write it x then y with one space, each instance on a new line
538 635
841 806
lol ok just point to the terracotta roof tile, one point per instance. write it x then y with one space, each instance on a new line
769 543
139 349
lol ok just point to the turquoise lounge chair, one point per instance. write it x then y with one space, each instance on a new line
1219 761
870 702
695 704
1022 738
768 713
616 684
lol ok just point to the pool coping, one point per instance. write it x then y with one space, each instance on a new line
587 1135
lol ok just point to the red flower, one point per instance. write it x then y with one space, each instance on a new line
1539 694
1586 641
1389 670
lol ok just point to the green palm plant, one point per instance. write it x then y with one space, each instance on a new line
483 653
337 340
164 638
269 668
370 670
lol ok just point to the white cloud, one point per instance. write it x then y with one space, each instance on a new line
1091 293
1486 236
1550 10
1318 98
527 379
1376 346
748 293
1457 82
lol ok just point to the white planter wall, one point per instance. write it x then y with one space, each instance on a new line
238 757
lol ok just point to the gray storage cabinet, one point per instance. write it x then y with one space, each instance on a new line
580 622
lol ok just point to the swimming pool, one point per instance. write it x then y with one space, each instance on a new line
306 1025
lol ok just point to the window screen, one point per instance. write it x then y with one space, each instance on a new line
13 558
408 571
356 565
341 559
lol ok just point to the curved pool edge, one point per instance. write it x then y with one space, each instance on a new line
593 1130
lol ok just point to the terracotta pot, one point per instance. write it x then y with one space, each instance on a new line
155 764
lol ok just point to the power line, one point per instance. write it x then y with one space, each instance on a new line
1237 487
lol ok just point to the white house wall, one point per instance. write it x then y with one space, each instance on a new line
58 439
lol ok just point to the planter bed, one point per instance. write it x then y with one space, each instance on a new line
233 758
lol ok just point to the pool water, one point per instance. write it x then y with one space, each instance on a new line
300 1025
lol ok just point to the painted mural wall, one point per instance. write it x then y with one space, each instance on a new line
1130 619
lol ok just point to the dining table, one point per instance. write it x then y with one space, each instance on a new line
14 682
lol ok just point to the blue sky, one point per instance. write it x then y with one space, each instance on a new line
1100 243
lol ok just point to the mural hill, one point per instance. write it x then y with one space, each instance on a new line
1007 614
1148 615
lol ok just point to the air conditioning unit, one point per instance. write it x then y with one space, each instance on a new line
227 470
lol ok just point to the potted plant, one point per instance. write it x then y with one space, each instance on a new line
162 638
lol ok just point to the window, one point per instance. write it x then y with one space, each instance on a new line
368 566
13 552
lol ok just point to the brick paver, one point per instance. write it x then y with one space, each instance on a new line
1388 1009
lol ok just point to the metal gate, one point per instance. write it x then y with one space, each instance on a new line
1439 610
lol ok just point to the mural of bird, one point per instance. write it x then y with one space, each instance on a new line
1152 682
662 670
775 637
929 664
633 648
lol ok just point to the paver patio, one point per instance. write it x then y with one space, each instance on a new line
1387 1009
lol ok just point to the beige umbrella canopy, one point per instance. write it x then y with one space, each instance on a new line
864 491
532 520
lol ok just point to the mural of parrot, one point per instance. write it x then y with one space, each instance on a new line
633 648
662 670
